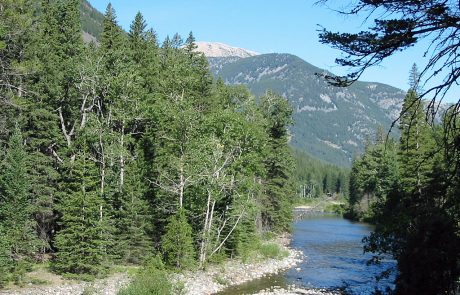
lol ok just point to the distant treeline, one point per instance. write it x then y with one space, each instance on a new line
315 178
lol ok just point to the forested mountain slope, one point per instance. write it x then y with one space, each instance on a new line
91 20
330 123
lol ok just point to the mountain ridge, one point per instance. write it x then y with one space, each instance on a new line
330 123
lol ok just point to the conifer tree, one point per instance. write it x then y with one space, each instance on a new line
83 240
416 144
127 62
190 45
60 55
277 212
177 242
16 220
111 39
176 41
5 257
137 38
56 111
373 176
134 221
18 27
414 218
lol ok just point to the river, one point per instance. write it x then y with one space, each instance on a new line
334 259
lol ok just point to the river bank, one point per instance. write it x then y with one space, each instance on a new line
213 279
293 290
234 272
58 286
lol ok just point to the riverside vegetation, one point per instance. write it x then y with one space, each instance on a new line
126 152
412 187
117 152
410 191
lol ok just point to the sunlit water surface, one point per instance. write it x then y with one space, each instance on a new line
334 259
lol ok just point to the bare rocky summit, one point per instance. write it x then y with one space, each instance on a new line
216 49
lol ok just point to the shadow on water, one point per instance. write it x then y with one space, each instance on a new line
334 259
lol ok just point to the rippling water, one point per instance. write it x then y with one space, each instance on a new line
335 259
335 255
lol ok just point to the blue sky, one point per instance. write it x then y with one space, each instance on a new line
265 26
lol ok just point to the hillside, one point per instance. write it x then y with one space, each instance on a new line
330 123
91 20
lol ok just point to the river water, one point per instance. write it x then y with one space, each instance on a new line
334 259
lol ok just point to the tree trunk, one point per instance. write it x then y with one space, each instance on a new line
181 181
122 157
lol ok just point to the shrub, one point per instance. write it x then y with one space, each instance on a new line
152 280
272 250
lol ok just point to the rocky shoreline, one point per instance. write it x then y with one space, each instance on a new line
107 286
234 272
214 279
294 290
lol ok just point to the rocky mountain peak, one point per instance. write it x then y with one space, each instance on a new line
216 49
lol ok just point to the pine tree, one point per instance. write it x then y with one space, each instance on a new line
84 238
18 27
190 45
54 110
277 213
43 135
413 219
60 54
414 79
177 41
5 257
127 66
137 38
416 144
111 39
177 242
16 220
134 221
373 176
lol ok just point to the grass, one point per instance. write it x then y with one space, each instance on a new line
272 251
131 270
151 283
221 280
258 251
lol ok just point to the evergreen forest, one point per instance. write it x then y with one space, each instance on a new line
117 152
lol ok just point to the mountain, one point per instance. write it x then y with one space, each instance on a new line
91 20
330 123
215 49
